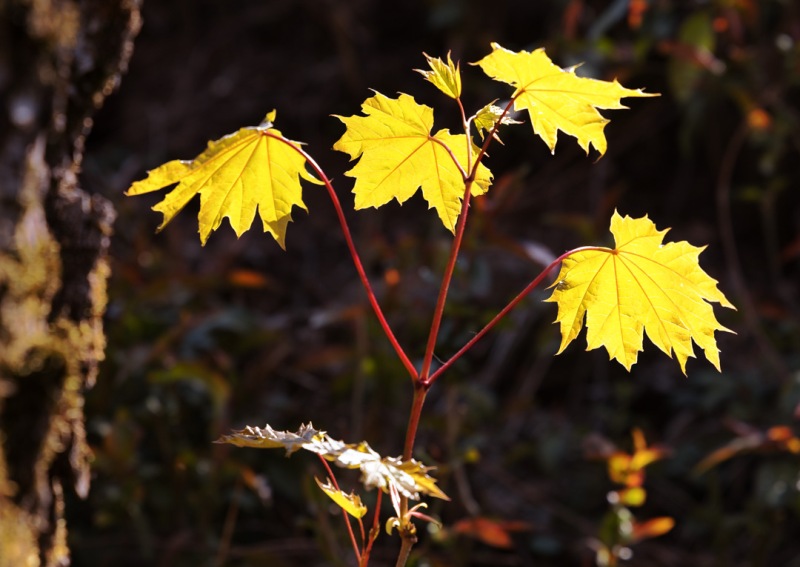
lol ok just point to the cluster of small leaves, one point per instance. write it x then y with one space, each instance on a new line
620 527
408 478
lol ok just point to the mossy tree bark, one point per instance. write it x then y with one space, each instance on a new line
58 60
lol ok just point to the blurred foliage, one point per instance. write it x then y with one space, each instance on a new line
203 342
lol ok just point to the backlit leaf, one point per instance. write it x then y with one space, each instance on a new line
350 503
398 154
486 118
253 169
445 76
641 285
556 98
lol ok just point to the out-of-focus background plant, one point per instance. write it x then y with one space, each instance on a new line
243 333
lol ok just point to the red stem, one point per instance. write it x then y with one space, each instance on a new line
446 279
374 531
420 391
356 258
513 303
344 512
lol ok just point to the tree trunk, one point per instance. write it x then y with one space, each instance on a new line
58 60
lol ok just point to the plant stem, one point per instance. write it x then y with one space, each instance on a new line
513 303
407 530
373 532
443 289
356 258
420 391
405 550
356 550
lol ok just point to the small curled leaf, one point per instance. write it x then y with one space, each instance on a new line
445 76
350 503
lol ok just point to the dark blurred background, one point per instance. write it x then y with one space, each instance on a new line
204 340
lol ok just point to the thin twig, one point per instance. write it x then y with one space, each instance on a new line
355 256
511 304
731 252
346 516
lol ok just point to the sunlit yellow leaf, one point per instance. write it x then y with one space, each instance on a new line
255 168
488 116
445 76
350 503
398 154
641 285
556 98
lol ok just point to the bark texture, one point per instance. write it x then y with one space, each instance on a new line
58 60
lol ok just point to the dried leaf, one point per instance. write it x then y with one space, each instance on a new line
409 478
268 438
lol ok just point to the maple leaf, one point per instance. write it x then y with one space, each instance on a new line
410 478
641 284
350 503
255 168
398 154
268 438
487 117
445 76
556 98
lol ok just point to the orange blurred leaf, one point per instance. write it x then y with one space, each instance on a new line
776 438
248 278
652 528
496 533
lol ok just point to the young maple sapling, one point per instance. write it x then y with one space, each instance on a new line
640 286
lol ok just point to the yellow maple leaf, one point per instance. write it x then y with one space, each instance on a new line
640 285
486 118
445 76
398 154
252 169
556 98
350 503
